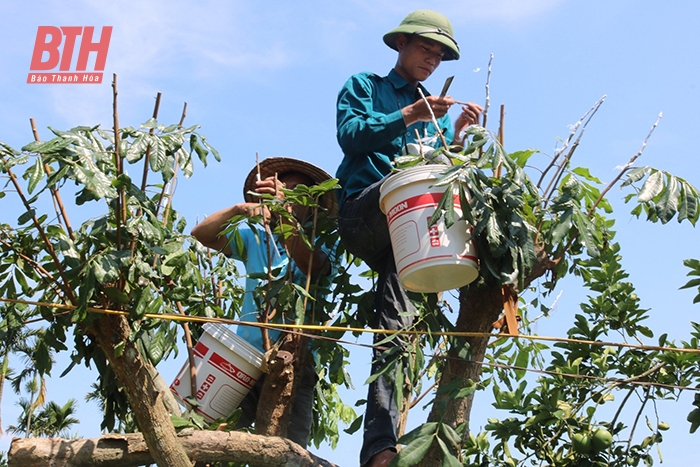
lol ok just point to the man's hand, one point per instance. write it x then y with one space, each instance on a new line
271 185
469 116
420 112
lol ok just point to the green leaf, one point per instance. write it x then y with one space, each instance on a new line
198 148
450 436
426 429
36 174
105 268
586 231
157 158
26 217
116 295
586 173
438 210
667 206
214 152
688 208
137 149
354 426
151 123
563 226
652 187
448 459
635 175
414 452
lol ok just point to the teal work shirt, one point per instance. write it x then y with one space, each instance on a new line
254 258
371 128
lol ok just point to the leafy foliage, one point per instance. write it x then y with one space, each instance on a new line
136 258
556 419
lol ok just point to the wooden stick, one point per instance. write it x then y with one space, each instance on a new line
497 173
117 161
147 158
190 351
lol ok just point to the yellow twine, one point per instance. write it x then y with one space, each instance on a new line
320 327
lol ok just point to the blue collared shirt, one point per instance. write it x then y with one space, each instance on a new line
371 128
254 257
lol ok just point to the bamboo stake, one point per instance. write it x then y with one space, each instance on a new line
58 202
190 351
117 162
147 158
498 170
162 192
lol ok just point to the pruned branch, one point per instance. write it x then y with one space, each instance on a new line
58 202
626 167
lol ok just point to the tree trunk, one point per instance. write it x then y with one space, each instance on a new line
277 396
480 305
112 335
130 450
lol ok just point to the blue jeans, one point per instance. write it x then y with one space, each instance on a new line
299 428
365 233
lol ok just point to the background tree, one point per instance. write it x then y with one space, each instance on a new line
53 420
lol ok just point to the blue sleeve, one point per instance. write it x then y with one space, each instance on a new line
243 240
361 128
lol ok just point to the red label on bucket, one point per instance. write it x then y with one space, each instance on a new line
416 202
200 349
434 234
231 370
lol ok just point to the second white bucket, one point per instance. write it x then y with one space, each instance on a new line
427 260
227 367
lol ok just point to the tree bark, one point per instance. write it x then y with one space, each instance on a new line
146 400
130 450
277 396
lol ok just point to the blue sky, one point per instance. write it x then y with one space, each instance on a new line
262 77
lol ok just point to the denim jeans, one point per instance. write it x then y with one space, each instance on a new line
299 428
365 233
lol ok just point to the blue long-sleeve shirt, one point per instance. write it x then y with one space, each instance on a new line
254 256
371 128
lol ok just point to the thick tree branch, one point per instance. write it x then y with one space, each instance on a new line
130 450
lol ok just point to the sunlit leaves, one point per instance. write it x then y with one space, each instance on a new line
663 196
132 274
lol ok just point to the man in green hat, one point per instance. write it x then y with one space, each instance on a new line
377 117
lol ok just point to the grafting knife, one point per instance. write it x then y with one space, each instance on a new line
448 81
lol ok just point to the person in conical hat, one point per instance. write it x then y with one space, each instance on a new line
261 252
377 117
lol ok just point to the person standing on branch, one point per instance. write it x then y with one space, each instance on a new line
261 251
376 118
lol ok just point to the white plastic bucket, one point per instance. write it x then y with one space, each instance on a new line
427 260
227 367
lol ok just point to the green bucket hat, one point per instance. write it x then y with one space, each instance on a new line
430 24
